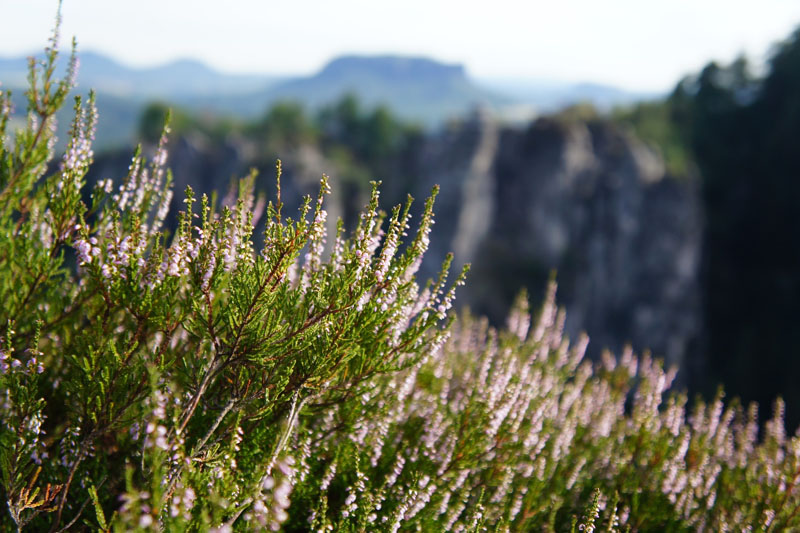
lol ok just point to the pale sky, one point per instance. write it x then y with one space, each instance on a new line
635 44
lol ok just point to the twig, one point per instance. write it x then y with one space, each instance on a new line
215 366
199 394
214 427
80 511
291 421
84 447
173 475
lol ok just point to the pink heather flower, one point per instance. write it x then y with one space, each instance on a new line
281 494
160 158
72 71
174 267
163 209
229 256
79 152
317 239
84 251
35 364
6 109
188 498
106 185
328 477
212 264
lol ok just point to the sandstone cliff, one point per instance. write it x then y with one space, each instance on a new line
588 201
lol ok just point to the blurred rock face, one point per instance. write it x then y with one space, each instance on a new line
587 201
582 199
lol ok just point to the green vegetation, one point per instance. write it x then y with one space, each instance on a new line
190 382
361 144
743 131
655 123
284 125
135 375
738 133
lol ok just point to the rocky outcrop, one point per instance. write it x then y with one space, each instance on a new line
586 201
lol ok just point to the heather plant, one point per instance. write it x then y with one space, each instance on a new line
158 382
187 381
514 430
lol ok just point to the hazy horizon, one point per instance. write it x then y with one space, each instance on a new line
502 82
631 45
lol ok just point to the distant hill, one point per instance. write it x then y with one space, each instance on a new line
123 92
416 89
177 80
546 96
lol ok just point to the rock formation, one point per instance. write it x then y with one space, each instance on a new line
587 201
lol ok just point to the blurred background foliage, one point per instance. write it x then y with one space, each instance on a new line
742 133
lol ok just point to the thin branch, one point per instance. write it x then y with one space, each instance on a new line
173 475
84 447
80 510
199 446
199 394
216 366
291 422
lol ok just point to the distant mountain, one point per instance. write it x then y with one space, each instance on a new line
544 96
414 88
123 92
176 80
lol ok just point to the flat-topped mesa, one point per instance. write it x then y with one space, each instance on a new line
392 67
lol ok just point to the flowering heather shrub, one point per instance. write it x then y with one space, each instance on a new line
516 431
158 382
189 382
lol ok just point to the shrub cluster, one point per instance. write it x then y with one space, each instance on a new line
129 381
514 430
190 382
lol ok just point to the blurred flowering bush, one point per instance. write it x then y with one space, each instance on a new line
186 381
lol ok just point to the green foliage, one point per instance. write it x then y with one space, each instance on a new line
153 118
743 131
580 112
655 123
180 382
135 375
372 136
285 125
154 115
